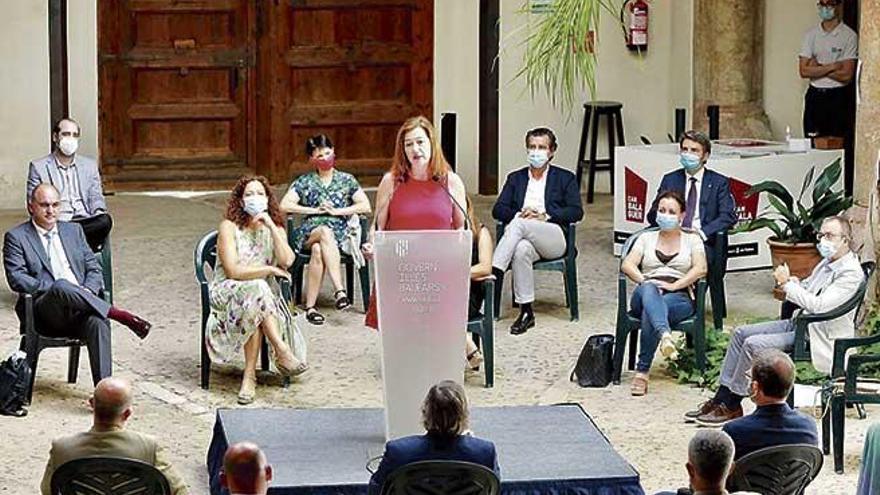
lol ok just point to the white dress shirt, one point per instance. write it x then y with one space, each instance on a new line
72 205
535 192
695 219
56 252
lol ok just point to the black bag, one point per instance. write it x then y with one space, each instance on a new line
594 366
15 378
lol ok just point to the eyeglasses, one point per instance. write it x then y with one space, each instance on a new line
822 235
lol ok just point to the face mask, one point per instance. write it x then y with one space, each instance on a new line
826 13
827 248
68 145
254 205
667 221
324 164
538 158
689 161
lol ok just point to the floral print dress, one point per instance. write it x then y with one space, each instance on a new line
313 193
238 307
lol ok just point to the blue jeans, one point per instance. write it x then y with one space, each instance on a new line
657 312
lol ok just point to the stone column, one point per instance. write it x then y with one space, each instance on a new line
728 66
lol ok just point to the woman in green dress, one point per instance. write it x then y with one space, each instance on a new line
246 300
327 198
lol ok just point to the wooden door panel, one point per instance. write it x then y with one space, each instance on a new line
175 92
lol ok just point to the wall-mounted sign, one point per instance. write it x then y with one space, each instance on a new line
540 6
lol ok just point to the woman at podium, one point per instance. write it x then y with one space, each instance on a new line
420 192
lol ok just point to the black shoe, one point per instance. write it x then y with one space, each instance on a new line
523 322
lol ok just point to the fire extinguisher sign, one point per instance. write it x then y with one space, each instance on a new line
541 6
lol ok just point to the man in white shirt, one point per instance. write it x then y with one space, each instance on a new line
536 205
828 59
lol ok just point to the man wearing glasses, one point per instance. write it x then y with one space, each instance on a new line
834 280
828 60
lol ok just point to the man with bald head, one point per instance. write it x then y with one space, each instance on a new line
245 470
111 406
773 422
51 260
78 181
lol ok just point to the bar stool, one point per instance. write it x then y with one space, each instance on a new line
612 110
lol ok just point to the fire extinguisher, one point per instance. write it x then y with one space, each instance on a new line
634 19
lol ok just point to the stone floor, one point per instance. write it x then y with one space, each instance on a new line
153 242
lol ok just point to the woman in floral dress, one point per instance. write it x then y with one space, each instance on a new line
327 198
246 301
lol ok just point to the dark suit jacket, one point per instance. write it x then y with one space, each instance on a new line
771 425
717 208
562 196
427 448
27 266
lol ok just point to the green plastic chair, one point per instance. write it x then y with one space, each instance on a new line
108 476
302 259
777 470
483 330
566 264
629 325
843 371
205 255
442 478
106 261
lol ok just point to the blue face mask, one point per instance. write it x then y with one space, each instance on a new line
538 158
667 221
689 161
827 248
254 205
826 13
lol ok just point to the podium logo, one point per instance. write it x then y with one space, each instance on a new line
746 206
401 248
636 190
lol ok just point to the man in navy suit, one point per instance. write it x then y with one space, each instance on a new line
710 208
52 261
773 422
537 203
445 418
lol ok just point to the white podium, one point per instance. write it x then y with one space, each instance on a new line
422 283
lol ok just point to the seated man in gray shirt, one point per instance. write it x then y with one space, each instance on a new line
77 179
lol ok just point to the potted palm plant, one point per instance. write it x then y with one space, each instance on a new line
794 225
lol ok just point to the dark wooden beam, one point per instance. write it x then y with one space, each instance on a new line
59 103
489 40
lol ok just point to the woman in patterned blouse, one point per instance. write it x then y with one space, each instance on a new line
326 198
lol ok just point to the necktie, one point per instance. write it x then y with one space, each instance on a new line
691 205
54 256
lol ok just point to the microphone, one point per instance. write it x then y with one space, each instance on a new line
467 220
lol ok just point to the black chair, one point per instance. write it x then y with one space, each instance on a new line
108 476
843 372
628 325
33 342
302 259
612 110
777 470
483 330
206 256
442 478
566 264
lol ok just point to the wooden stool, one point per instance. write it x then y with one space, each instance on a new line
612 110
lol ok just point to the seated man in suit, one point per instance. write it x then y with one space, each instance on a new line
537 203
245 470
51 261
77 179
710 457
773 422
445 417
709 205
111 406
834 280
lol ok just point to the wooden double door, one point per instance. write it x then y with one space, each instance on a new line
194 93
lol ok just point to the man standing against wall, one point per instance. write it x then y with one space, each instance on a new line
828 60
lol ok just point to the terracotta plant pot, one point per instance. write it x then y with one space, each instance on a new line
801 259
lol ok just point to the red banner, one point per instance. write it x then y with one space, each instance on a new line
746 207
636 195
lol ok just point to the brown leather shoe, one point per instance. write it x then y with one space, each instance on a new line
719 416
704 408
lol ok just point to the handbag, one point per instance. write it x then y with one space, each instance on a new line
594 366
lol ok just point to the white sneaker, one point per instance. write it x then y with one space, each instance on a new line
667 347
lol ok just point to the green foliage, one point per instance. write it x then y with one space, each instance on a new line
787 217
684 369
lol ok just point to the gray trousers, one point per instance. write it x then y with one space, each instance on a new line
747 342
523 243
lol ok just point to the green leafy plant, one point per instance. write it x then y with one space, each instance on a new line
790 221
684 368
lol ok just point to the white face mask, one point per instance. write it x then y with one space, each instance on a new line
827 248
254 205
68 145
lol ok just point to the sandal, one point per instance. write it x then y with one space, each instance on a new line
475 359
288 365
313 316
248 389
639 386
342 302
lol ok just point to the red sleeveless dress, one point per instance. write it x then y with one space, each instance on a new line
415 205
